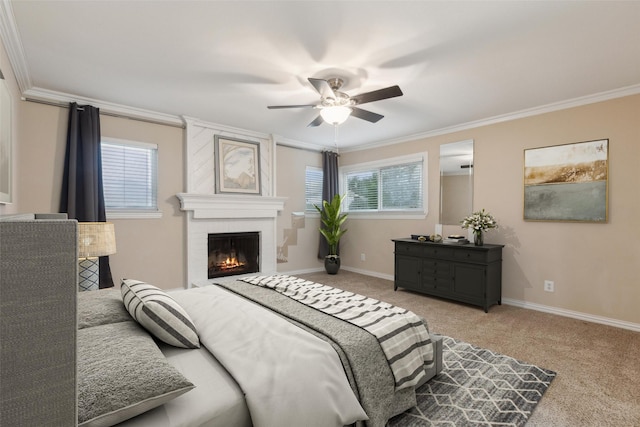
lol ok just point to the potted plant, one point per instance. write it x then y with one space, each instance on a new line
331 228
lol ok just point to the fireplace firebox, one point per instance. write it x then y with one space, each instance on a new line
233 253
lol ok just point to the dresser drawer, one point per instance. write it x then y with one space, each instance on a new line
438 252
411 249
471 255
434 268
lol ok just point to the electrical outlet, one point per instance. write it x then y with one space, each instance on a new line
362 257
549 286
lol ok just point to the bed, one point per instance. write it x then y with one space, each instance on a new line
242 353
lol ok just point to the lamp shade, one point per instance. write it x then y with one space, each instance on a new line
96 239
335 115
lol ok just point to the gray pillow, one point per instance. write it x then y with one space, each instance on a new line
159 314
122 373
100 308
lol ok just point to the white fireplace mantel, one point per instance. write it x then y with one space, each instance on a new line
219 206
224 213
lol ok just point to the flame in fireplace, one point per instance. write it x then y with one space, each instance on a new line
231 262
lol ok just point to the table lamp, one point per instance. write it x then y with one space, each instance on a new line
95 239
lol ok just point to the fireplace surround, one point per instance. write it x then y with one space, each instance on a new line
217 213
210 212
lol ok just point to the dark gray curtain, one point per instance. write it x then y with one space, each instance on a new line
82 195
330 188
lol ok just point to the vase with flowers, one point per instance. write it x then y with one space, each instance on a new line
479 222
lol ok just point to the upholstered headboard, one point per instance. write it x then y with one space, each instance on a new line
38 292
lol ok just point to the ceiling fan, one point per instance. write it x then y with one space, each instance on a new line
336 106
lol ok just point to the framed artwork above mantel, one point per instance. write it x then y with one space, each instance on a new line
567 182
237 166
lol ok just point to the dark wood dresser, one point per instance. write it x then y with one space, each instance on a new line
465 273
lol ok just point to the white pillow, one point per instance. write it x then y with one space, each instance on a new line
159 314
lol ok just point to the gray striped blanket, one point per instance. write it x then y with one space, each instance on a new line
402 335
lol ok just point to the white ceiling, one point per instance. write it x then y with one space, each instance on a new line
458 63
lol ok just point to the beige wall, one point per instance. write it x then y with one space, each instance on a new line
152 250
14 92
298 237
593 265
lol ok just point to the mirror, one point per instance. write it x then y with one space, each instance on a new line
456 181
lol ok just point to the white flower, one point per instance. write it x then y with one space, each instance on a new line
479 221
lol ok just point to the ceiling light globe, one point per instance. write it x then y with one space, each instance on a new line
335 115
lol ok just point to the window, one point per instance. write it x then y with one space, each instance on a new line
129 174
391 186
312 188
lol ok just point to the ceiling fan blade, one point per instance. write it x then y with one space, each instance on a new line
365 115
377 95
323 87
275 107
317 122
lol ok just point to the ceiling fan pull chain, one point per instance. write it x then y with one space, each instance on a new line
335 136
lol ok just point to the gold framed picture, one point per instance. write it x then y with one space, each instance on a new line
238 166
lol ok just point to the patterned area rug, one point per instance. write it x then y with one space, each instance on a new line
477 388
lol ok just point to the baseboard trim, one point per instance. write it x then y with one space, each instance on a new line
573 314
514 302
305 271
369 273
353 270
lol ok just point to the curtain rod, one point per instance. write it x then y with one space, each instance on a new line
106 113
318 150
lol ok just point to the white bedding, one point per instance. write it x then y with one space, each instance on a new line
288 376
402 335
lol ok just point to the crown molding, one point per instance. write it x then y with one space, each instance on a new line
292 143
13 45
192 121
50 96
548 108
15 51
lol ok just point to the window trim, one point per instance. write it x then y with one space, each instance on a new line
378 164
128 213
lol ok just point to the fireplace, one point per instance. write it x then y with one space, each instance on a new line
211 212
231 254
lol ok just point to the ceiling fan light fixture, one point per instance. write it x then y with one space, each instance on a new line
335 115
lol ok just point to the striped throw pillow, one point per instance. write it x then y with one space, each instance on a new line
159 314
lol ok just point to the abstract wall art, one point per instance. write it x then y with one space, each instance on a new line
567 182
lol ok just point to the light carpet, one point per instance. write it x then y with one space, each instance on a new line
477 387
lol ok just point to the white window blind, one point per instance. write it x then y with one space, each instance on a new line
129 174
394 185
312 188
362 190
401 187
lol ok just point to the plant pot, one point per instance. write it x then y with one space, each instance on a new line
332 264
